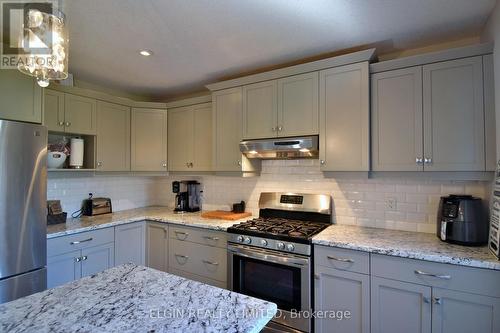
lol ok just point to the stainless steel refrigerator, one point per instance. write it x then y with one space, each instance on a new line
23 194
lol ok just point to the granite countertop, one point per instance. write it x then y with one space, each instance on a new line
406 244
155 213
130 298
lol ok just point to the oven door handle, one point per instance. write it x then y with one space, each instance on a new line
269 257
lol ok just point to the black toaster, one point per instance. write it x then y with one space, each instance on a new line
96 206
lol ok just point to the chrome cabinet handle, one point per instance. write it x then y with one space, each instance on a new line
181 256
210 262
191 164
427 160
61 123
280 128
443 277
211 238
340 259
78 259
84 258
184 234
68 124
426 300
273 129
99 164
436 300
239 163
82 241
316 276
163 164
419 160
322 162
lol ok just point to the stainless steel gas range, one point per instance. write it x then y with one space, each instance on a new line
270 257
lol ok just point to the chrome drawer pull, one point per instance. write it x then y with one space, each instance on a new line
211 238
181 233
210 262
444 277
82 241
340 259
181 256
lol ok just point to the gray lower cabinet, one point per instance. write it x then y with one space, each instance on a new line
399 307
157 246
338 290
63 268
454 311
130 243
98 258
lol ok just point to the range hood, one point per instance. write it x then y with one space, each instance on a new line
281 148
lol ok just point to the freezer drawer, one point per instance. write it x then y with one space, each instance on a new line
23 285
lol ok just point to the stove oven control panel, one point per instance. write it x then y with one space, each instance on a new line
271 244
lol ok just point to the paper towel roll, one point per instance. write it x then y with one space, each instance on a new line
76 157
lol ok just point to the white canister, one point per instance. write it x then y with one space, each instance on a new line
76 156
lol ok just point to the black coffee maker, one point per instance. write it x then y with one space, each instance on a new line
188 195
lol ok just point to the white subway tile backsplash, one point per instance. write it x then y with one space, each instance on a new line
356 201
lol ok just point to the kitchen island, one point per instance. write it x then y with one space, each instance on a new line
131 298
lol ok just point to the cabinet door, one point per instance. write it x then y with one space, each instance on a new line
180 138
148 140
397 120
260 110
344 118
340 290
227 106
298 110
53 110
21 97
454 115
130 243
113 137
63 268
202 137
98 258
399 307
157 246
80 114
454 311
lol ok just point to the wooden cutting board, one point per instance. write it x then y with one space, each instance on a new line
224 215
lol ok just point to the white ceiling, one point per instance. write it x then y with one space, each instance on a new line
196 42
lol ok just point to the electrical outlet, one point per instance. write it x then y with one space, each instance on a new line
390 203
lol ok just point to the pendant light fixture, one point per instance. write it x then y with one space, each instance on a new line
45 43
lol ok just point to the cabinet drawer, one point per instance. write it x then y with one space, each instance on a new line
200 236
79 241
466 279
207 261
343 259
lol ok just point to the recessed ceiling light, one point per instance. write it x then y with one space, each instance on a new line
145 53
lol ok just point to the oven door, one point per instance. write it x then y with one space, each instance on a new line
281 278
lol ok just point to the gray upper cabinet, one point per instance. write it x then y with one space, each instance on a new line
157 246
454 311
344 118
397 120
227 117
80 114
298 110
454 115
113 137
148 140
53 110
21 97
260 110
130 243
399 307
190 138
342 290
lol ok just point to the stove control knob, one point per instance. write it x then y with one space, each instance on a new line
290 247
247 240
240 239
263 242
280 246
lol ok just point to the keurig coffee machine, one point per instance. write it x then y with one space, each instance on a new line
188 195
462 219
